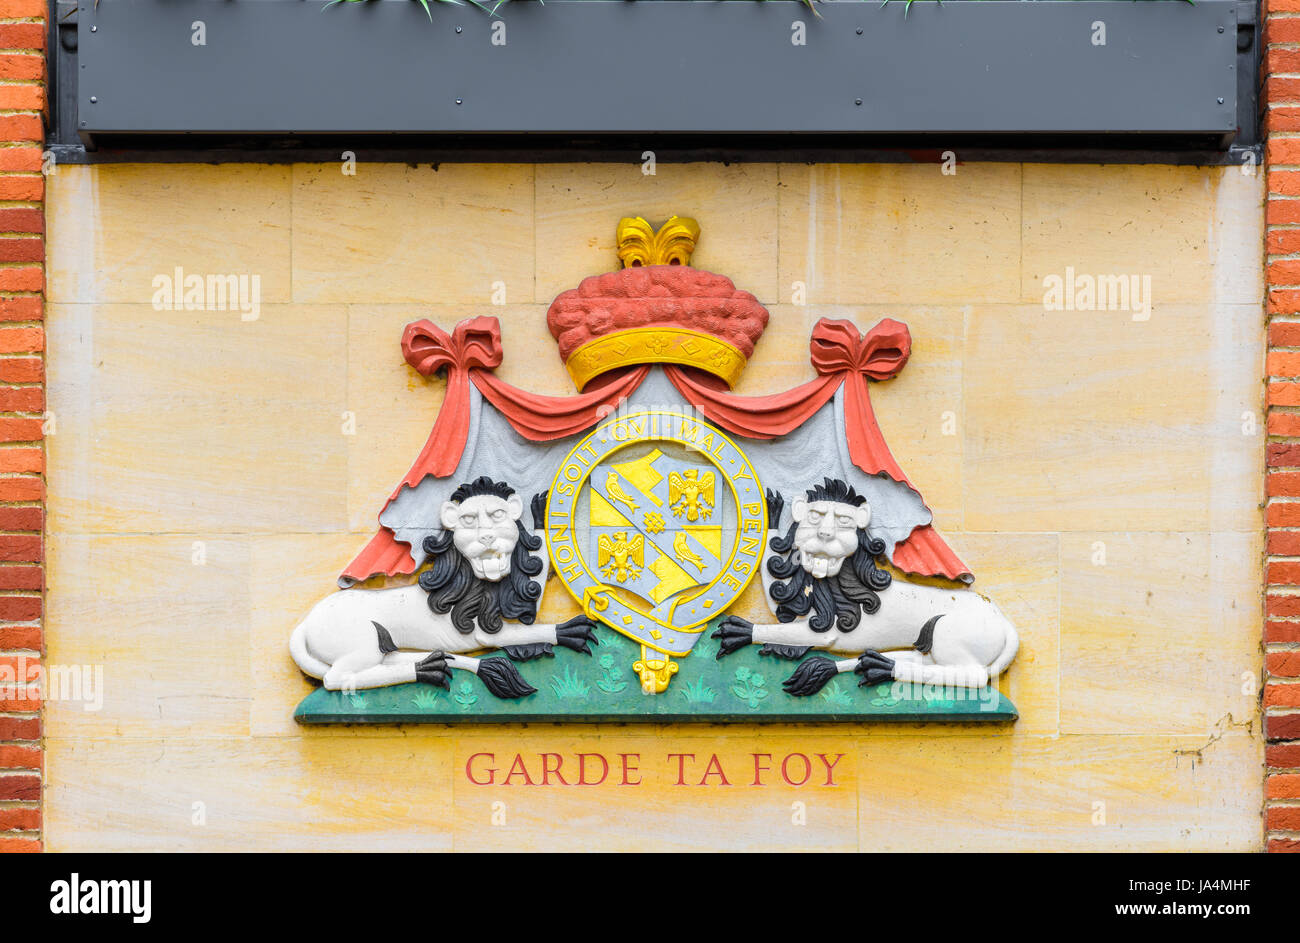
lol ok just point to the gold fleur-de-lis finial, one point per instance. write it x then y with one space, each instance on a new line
639 243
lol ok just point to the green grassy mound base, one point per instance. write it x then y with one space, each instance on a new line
742 687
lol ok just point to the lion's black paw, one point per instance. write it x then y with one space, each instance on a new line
433 670
733 634
874 668
576 633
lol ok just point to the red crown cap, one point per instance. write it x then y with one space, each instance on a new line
656 314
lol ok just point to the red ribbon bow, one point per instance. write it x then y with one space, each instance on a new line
839 350
880 354
473 343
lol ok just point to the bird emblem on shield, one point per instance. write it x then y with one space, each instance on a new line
691 493
619 558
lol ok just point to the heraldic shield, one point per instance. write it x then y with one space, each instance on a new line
655 524
722 556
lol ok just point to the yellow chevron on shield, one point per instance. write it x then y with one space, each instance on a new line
672 578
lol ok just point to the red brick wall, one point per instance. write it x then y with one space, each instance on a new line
1281 106
22 407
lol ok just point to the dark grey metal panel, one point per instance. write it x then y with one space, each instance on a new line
595 66
1248 66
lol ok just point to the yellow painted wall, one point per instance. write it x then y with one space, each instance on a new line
1103 477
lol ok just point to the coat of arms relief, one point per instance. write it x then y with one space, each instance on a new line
656 499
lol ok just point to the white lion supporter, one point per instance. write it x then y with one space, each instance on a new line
827 560
481 592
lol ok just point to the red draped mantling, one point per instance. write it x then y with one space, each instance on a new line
841 356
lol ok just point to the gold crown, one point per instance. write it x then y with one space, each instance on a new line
640 244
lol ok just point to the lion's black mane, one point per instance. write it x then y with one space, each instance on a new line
840 598
453 587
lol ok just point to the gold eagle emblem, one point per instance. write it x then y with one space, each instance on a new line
620 558
691 494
